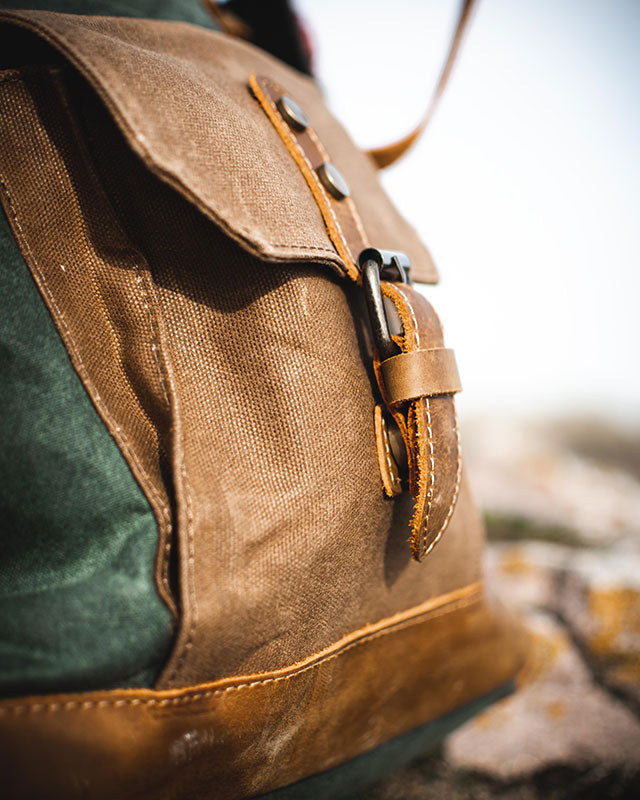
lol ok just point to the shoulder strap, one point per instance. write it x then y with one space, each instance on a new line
385 156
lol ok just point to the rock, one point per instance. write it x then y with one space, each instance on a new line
564 528
561 718
524 575
533 487
598 598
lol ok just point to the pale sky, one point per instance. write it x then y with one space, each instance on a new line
526 187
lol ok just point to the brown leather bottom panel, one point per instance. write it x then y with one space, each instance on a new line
245 736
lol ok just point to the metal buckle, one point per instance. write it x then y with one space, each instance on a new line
374 265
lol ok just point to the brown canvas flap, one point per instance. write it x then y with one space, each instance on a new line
179 94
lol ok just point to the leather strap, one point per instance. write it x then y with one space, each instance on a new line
343 222
428 422
421 373
389 154
229 22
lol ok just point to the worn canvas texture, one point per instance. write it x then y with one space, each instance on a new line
200 303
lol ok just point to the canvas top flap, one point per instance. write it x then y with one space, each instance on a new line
179 94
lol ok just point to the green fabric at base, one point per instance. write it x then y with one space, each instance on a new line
78 604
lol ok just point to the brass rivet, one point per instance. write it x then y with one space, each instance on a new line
333 180
292 113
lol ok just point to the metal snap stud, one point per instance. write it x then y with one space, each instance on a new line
292 113
333 180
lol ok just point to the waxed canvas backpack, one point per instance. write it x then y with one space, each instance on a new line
239 556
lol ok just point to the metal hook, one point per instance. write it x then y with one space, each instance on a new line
373 263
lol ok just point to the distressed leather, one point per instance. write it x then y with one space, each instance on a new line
420 373
426 418
243 737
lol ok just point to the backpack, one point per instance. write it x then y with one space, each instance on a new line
241 553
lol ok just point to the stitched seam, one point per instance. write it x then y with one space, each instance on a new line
190 569
412 314
432 477
223 212
84 155
184 699
54 74
425 550
387 454
155 347
456 490
310 176
393 475
300 246
164 554
316 180
347 200
154 340
117 432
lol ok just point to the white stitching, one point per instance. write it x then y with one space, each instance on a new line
117 432
456 489
163 555
190 569
412 314
432 477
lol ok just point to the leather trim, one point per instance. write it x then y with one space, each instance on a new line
340 216
421 373
249 735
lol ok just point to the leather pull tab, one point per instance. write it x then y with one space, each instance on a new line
426 417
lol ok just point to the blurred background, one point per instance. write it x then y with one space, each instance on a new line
526 185
526 189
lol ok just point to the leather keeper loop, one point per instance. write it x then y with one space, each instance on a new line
420 373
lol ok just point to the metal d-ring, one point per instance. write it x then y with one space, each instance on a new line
375 264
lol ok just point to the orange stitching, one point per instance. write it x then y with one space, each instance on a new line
220 211
412 314
473 595
389 290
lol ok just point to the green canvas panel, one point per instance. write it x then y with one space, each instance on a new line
181 10
79 605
